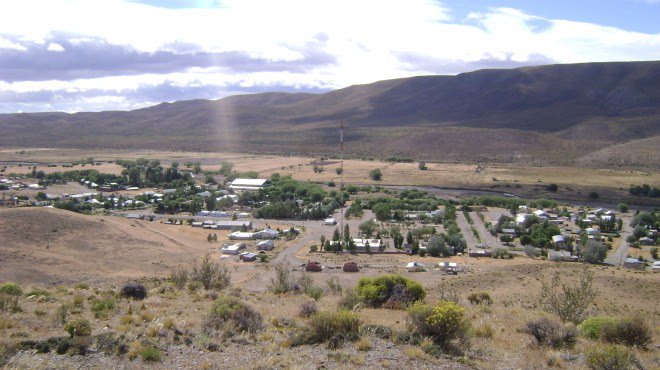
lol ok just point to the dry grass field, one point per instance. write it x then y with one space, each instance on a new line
574 183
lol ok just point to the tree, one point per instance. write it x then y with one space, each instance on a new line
382 211
368 227
422 166
322 240
622 207
552 188
347 234
654 253
594 195
338 171
437 247
376 174
593 252
409 237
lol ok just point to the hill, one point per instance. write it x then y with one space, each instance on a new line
549 114
52 246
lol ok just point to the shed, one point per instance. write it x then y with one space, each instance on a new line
330 222
248 257
414 267
239 235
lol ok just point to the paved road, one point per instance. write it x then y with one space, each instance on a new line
487 238
465 229
618 256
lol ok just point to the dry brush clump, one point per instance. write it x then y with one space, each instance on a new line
610 357
478 298
211 275
551 333
332 327
134 290
229 314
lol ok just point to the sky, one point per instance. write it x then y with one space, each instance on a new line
93 55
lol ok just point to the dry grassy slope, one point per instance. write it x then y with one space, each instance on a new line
632 153
571 109
52 246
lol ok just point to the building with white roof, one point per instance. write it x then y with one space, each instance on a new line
249 184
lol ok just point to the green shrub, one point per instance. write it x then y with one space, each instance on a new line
150 354
314 292
38 293
349 300
593 326
502 253
609 357
444 322
11 289
631 331
78 328
324 326
480 298
101 306
390 291
552 333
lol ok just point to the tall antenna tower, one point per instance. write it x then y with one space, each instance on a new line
341 181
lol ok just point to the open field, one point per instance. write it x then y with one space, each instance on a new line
574 183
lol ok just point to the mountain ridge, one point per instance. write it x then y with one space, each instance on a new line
582 107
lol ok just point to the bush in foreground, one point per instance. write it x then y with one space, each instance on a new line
480 298
231 313
551 333
609 357
390 291
134 290
337 327
78 328
566 301
11 289
631 331
444 322
593 326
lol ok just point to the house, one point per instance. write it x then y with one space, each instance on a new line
249 184
247 257
479 253
511 232
374 245
523 209
559 241
267 234
592 231
233 225
415 267
204 194
266 245
239 235
645 240
330 222
134 216
447 265
233 249
634 263
542 215
521 218
561 256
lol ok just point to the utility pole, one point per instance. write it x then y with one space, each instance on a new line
341 181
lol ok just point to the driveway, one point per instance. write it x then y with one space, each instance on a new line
618 256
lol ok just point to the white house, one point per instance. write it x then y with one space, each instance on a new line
374 244
267 234
266 245
233 249
541 214
239 235
249 184
559 241
521 218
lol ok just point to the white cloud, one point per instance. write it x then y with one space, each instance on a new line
368 40
55 47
